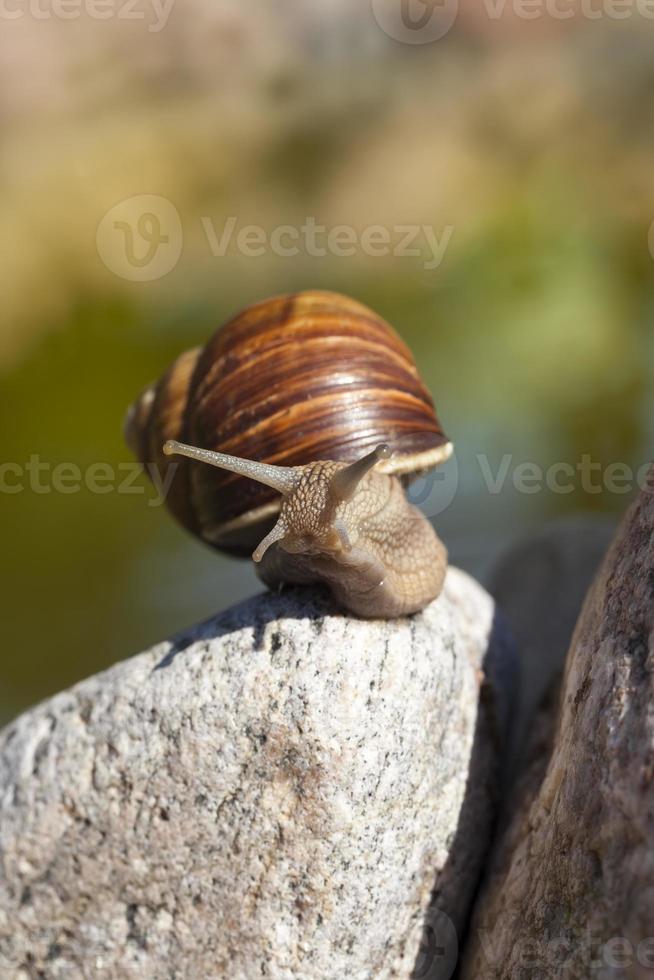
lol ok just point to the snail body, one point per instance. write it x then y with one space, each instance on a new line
310 389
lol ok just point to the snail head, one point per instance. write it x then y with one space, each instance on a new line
322 502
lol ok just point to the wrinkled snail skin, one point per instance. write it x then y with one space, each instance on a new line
287 402
396 567
346 526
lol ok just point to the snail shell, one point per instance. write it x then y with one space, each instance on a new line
296 378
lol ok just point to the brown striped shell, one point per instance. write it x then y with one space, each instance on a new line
293 379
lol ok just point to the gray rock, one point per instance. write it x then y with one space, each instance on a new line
570 892
277 793
540 584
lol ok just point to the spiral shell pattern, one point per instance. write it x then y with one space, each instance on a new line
302 377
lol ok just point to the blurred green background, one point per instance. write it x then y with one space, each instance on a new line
531 139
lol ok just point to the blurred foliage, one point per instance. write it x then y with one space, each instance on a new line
534 334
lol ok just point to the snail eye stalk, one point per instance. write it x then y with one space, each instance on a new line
345 481
284 479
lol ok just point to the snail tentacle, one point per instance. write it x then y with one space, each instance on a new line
284 479
345 481
276 534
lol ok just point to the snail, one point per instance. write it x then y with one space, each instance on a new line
313 417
